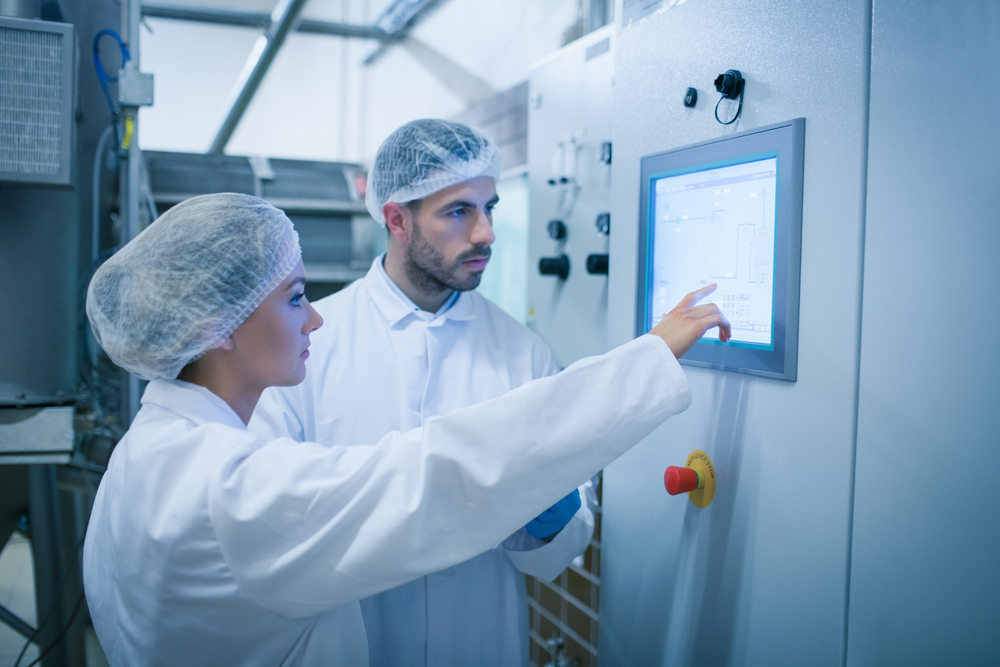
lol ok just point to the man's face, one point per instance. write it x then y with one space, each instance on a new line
451 238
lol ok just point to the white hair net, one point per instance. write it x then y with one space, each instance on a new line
425 156
183 285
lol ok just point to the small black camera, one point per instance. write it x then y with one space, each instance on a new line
729 84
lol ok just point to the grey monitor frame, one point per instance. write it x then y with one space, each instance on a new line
788 141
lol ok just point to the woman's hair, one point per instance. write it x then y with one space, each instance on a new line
183 285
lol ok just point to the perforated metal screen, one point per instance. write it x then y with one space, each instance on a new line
36 93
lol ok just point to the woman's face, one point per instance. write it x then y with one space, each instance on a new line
272 344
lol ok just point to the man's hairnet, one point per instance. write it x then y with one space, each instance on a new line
183 285
425 156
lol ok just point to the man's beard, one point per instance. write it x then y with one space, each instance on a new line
429 271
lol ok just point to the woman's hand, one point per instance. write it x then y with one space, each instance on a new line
687 322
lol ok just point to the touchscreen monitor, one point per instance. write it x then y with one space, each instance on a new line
728 212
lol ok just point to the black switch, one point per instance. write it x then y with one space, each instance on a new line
554 266
597 264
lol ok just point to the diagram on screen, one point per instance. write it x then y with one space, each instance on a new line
717 226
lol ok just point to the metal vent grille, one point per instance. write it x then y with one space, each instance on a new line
36 89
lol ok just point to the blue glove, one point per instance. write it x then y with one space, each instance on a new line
555 518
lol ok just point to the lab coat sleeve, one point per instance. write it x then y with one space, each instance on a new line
547 560
305 528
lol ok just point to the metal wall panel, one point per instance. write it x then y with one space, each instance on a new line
569 117
925 570
39 232
759 577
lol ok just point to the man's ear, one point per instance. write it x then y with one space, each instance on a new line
399 221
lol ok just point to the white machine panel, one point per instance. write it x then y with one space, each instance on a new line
759 576
569 135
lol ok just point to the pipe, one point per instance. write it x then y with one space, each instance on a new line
16 623
95 210
21 9
130 181
260 60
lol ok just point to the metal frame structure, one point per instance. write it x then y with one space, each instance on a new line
262 21
391 27
264 51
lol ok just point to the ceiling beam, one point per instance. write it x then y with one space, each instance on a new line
398 19
261 57
262 21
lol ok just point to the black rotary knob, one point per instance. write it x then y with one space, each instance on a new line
554 266
556 229
603 224
597 264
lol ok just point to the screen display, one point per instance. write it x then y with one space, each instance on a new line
715 223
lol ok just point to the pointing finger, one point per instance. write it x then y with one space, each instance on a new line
697 295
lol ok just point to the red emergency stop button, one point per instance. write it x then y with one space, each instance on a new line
680 480
696 478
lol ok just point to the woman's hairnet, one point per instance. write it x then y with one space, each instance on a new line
183 285
425 156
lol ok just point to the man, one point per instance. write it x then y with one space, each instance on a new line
409 342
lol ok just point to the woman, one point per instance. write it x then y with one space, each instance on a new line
209 546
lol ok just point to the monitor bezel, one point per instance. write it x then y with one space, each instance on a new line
787 139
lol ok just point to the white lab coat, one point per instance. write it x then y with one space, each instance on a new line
210 546
381 364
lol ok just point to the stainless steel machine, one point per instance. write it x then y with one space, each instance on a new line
74 187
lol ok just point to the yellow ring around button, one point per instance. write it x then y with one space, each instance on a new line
699 461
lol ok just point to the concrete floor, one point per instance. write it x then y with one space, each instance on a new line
17 593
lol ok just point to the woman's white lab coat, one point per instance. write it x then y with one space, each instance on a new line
208 546
381 364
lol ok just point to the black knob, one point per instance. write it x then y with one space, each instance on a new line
554 266
597 264
730 84
691 97
604 153
556 229
603 224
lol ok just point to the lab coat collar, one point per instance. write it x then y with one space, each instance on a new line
192 402
396 306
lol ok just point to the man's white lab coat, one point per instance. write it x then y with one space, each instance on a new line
210 546
381 364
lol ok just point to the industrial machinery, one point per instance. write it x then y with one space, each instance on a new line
338 238
826 428
74 187
52 117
